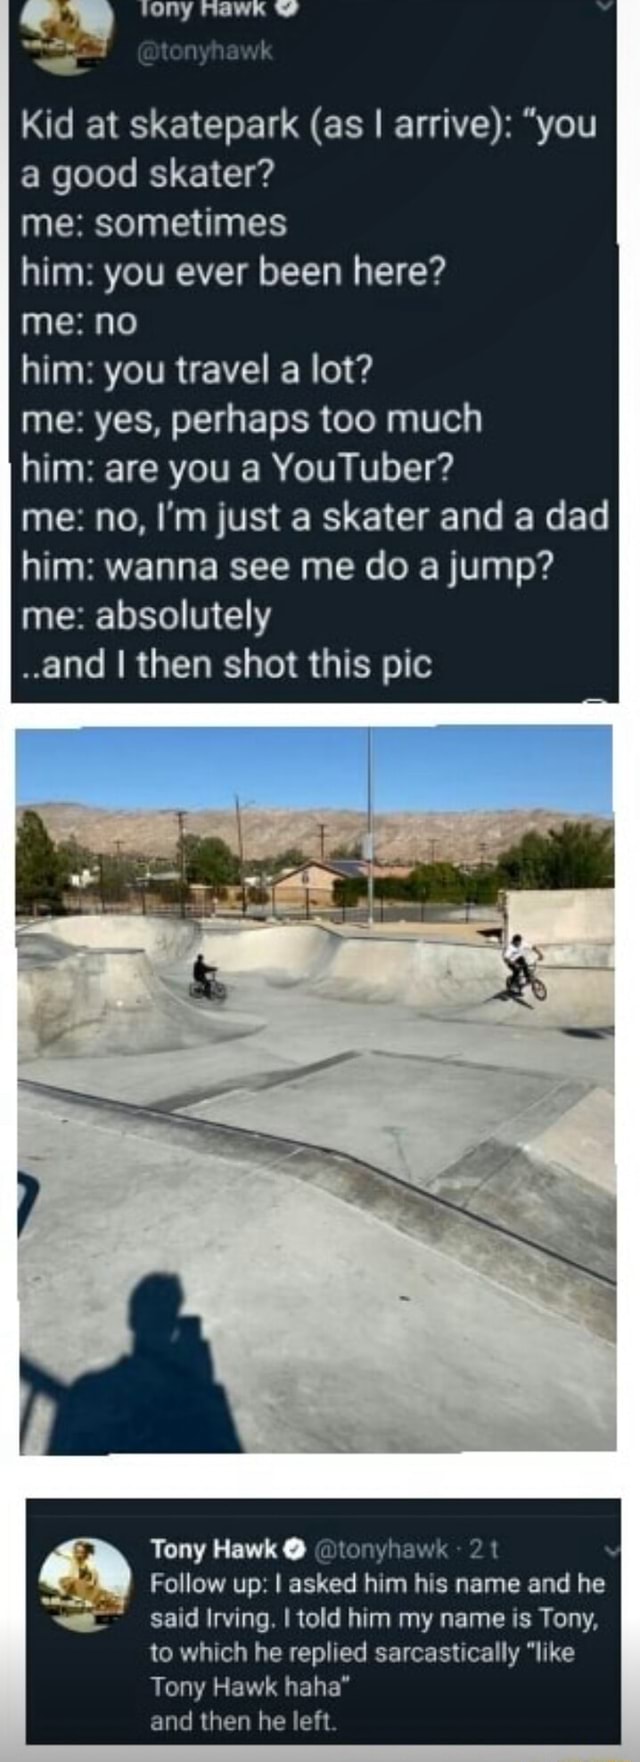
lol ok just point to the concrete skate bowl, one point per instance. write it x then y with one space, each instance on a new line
580 999
282 954
359 969
162 939
102 1001
452 978
422 975
502 1172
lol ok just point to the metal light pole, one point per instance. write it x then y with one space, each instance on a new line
183 869
241 853
370 850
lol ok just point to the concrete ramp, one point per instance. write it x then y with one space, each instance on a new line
579 1000
421 1211
162 939
429 976
419 974
285 953
582 1141
110 1001
424 975
375 969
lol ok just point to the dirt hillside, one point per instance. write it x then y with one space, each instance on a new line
400 838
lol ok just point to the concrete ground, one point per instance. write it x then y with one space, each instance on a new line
307 1222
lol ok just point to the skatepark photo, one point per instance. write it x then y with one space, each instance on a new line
364 1204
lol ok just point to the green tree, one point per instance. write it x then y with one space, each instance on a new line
483 887
437 881
349 891
75 856
210 862
526 864
40 873
392 887
284 862
577 855
347 853
580 855
117 875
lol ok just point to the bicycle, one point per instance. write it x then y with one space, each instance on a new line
516 985
214 992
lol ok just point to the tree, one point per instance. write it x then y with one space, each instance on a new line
75 856
392 887
483 887
210 862
349 891
580 855
284 862
40 873
577 855
347 853
436 881
117 876
526 864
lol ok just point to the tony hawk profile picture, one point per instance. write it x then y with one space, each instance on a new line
85 1585
67 36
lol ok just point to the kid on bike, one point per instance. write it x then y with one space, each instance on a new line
521 957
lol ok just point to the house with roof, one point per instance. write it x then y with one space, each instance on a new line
314 882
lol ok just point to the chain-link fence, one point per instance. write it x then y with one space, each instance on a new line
142 903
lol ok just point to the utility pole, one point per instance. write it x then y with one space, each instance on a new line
180 817
370 849
434 847
322 830
241 854
118 889
101 874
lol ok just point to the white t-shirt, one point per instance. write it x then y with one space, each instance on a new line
521 952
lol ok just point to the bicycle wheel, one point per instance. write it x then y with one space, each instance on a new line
219 992
539 990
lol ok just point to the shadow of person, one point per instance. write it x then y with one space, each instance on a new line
510 995
163 1397
28 1190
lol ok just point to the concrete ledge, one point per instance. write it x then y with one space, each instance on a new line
483 1245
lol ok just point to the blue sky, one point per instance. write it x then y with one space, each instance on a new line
422 769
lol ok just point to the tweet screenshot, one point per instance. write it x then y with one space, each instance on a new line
323 1623
319 1100
315 350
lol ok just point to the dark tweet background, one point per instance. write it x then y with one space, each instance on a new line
95 1689
524 325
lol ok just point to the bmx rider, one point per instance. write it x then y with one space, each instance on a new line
520 958
201 974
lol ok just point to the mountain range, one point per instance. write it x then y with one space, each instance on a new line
400 838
